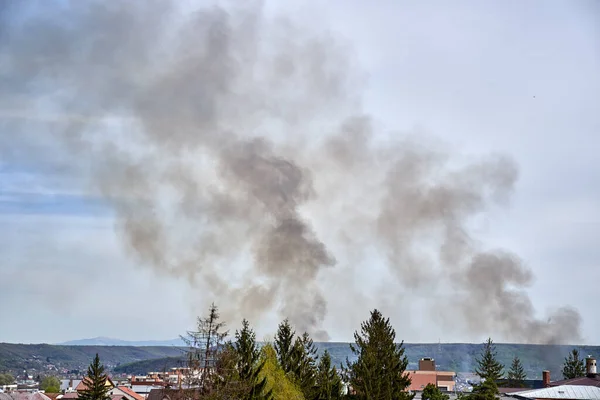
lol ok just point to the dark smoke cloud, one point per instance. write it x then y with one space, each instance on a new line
216 133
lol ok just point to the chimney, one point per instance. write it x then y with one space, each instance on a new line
546 378
590 367
427 364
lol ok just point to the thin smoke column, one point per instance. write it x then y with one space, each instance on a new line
218 133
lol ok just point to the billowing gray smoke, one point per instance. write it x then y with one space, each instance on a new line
235 152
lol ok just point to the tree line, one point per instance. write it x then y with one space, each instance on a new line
289 368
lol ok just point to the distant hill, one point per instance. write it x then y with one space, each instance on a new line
105 341
458 357
46 358
145 366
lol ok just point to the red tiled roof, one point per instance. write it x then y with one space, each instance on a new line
420 380
71 395
130 392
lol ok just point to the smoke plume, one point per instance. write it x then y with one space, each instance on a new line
236 153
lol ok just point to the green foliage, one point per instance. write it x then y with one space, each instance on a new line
284 345
97 389
281 387
574 366
50 384
225 383
432 392
328 381
487 390
304 362
488 367
7 379
379 371
248 363
516 374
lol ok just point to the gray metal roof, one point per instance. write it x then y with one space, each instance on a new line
571 392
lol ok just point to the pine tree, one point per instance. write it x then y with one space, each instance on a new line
249 364
304 362
379 371
574 366
328 381
432 392
516 375
284 345
487 390
97 389
488 367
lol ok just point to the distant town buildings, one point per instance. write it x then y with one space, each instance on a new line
157 385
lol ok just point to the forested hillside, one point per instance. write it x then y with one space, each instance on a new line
138 360
45 358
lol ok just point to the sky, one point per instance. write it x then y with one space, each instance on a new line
488 77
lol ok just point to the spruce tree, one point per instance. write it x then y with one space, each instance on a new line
432 392
328 382
379 371
488 367
96 382
574 366
516 375
249 364
304 362
284 345
487 390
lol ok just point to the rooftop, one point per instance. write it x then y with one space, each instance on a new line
583 381
571 392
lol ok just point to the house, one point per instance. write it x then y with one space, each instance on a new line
427 374
172 394
68 385
564 392
528 384
592 378
23 396
83 384
123 392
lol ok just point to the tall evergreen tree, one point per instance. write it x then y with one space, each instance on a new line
249 363
516 375
95 380
328 381
304 361
379 371
284 345
574 366
488 367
